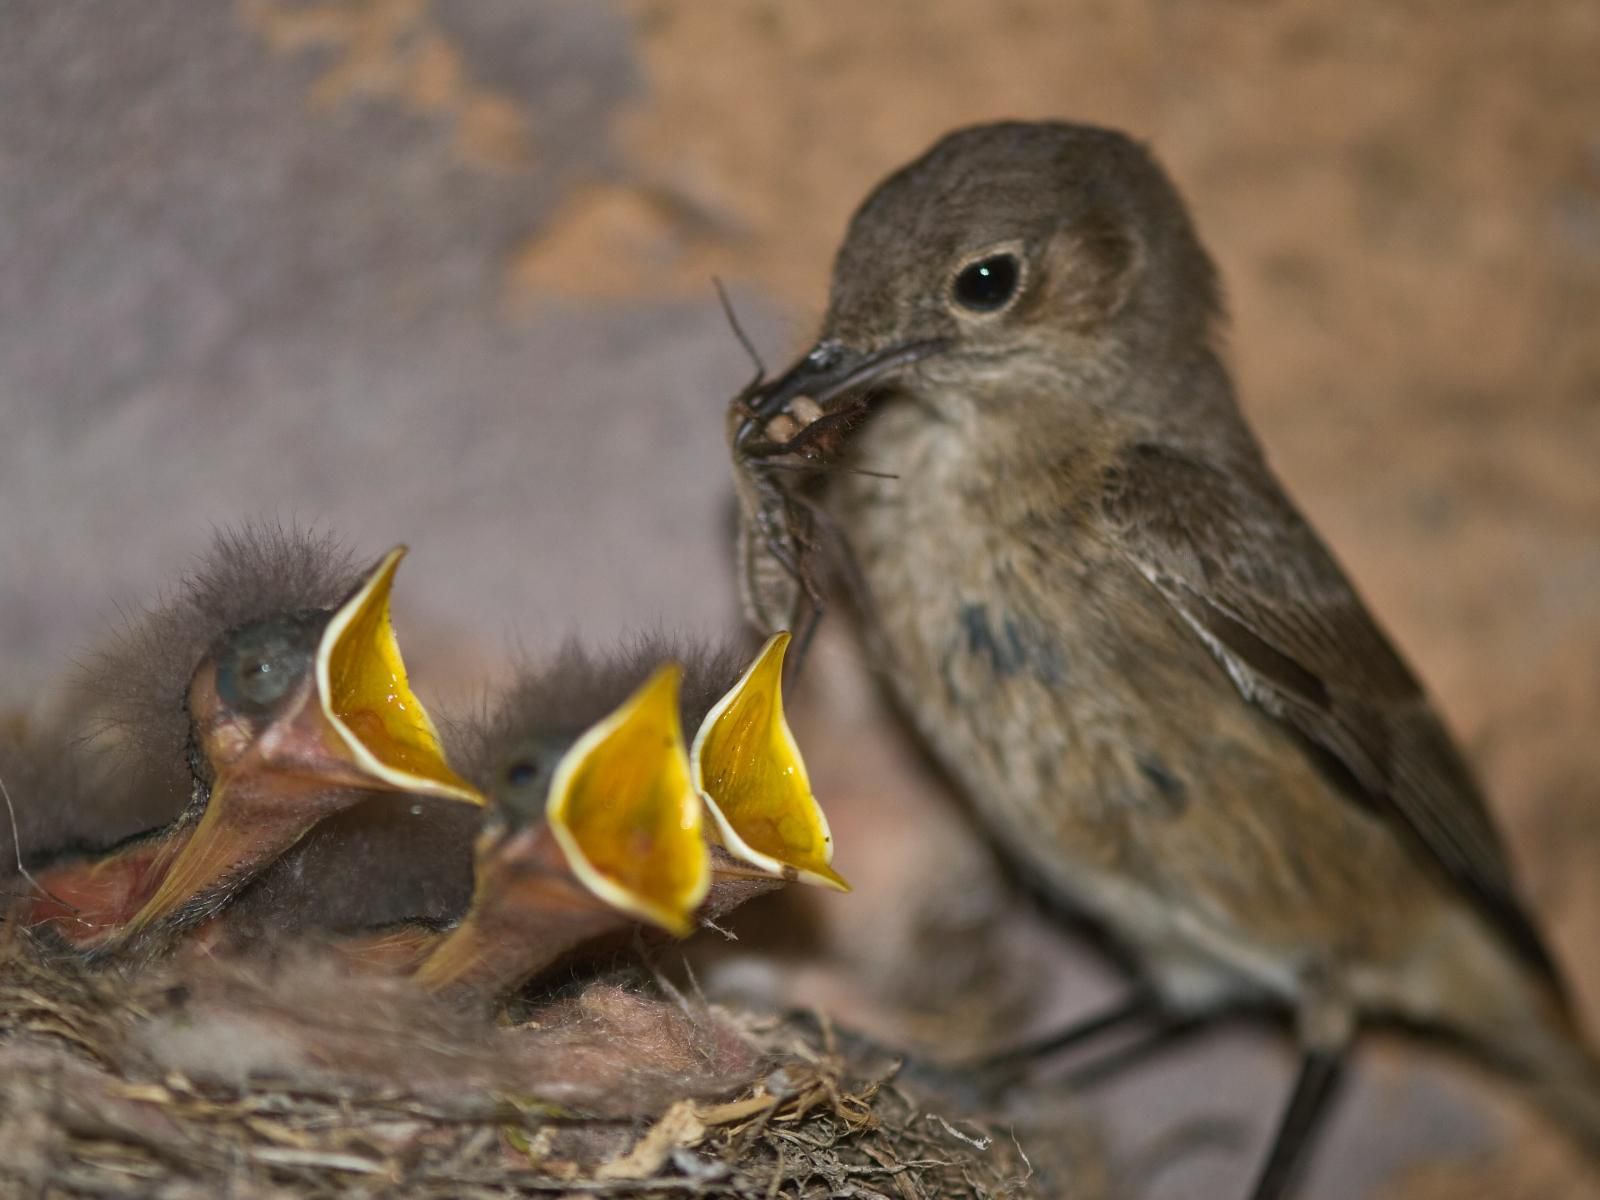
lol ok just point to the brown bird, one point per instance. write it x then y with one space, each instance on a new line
1121 638
597 817
287 708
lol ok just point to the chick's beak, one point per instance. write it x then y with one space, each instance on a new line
366 700
621 840
528 909
747 768
625 811
354 725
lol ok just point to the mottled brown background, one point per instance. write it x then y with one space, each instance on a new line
439 272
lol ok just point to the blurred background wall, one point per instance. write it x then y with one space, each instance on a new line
440 272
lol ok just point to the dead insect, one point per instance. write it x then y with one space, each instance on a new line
776 541
781 531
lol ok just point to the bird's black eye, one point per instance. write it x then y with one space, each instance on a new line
989 284
522 772
259 665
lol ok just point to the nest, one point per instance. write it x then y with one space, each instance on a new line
298 1078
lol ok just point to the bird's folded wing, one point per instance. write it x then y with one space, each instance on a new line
1255 583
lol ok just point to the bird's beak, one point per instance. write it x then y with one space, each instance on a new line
529 908
365 699
355 726
829 370
621 841
748 770
624 809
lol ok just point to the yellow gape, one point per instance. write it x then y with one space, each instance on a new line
626 814
361 681
748 770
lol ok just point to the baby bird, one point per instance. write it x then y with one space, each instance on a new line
276 677
1117 633
596 808
380 882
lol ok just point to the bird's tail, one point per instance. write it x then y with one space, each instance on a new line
1562 1077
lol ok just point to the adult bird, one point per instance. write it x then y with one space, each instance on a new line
269 694
1110 624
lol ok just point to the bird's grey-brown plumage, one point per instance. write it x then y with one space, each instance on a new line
1254 582
1105 617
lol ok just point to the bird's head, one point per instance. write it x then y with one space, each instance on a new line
295 716
592 826
609 808
1012 252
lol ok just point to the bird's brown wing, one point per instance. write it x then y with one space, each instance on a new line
1256 584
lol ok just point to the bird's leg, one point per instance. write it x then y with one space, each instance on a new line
997 1072
1167 1030
1164 1036
1297 1128
1138 1004
1326 1027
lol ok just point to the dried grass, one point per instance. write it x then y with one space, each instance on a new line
303 1080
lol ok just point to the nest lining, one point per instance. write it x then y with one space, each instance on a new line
210 1079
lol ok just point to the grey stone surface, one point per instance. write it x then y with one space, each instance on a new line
219 300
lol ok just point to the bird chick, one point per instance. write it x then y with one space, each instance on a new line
295 712
596 816
391 871
1116 632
